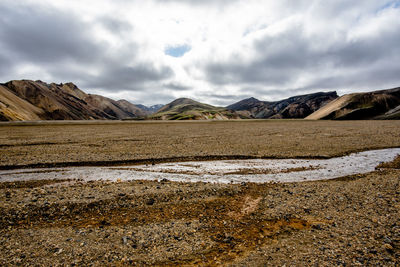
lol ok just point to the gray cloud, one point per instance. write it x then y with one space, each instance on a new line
121 78
114 25
177 86
373 78
359 53
222 99
160 97
59 41
38 35
278 61
199 2
5 65
283 59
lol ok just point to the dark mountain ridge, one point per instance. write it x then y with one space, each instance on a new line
293 107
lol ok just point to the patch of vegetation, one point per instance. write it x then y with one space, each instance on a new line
181 116
186 117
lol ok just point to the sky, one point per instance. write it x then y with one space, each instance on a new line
213 51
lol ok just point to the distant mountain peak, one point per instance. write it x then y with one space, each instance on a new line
245 104
183 100
189 109
71 85
150 109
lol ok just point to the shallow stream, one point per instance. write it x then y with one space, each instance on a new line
221 171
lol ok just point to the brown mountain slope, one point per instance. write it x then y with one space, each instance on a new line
14 108
382 104
55 103
72 89
133 109
36 100
188 109
293 107
113 108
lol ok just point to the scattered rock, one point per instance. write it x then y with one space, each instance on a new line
388 247
150 201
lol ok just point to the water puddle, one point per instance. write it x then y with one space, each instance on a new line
221 171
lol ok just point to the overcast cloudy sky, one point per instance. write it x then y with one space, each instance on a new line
214 51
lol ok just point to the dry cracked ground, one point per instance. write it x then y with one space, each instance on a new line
347 221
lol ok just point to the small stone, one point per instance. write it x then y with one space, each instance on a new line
373 251
317 227
104 223
228 239
387 240
387 247
150 201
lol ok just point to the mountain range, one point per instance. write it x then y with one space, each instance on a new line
291 108
37 100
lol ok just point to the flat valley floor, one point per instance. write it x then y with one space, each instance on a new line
347 221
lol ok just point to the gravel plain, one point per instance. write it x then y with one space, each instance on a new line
113 143
343 222
348 221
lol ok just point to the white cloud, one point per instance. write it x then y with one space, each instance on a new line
265 49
